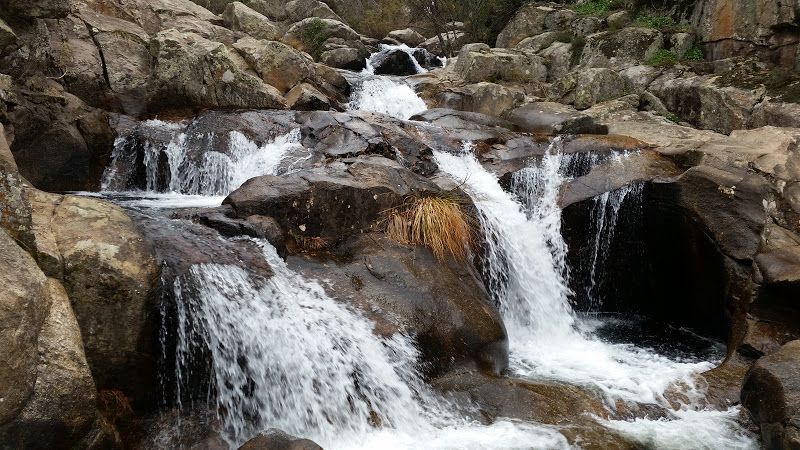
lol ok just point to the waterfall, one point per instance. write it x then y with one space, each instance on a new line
176 168
605 216
524 266
284 354
381 94
385 94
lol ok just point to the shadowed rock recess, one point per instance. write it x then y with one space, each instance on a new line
347 224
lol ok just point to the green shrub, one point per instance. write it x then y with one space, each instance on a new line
594 7
314 36
663 58
693 54
657 22
672 117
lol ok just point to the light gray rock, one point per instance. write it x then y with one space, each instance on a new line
24 302
193 71
305 97
240 17
558 58
597 85
478 62
407 36
625 46
276 63
297 10
109 274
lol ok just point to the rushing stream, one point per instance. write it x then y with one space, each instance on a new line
284 354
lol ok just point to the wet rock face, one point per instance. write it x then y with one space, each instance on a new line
394 62
441 305
771 393
278 440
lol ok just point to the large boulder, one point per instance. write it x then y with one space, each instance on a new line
771 394
330 202
478 62
278 440
528 21
441 304
125 60
305 97
7 36
567 407
406 36
239 17
558 58
628 45
446 44
59 143
276 63
596 86
191 70
329 41
699 101
24 302
297 10
485 98
110 274
393 62
341 135
62 407
553 119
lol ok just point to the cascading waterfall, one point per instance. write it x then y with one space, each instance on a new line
524 264
283 354
385 94
605 215
171 170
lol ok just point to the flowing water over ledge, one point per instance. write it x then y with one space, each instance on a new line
283 353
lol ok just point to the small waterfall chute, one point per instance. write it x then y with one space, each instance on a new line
524 262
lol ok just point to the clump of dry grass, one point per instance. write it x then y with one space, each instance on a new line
315 243
437 222
114 405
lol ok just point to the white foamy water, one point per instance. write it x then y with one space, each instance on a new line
688 430
384 95
171 169
285 355
524 264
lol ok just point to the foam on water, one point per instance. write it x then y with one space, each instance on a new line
524 265
385 95
688 430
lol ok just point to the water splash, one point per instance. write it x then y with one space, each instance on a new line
384 95
285 355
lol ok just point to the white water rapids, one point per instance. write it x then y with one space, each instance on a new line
283 354
525 257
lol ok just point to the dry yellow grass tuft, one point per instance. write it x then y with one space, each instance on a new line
438 223
314 243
